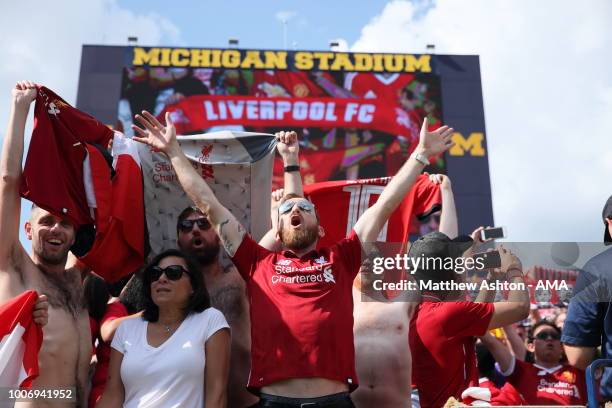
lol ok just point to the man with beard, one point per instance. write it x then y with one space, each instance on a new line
302 351
66 349
226 287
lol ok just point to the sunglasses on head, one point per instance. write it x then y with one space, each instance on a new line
547 335
172 272
303 205
187 225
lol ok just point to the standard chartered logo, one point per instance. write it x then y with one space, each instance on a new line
328 275
308 274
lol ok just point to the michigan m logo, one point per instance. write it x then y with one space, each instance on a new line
472 144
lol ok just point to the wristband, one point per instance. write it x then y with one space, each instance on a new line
293 167
518 273
421 158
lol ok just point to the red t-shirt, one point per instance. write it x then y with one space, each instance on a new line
340 204
442 346
114 311
561 385
301 311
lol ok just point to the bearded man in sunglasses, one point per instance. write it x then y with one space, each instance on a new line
547 381
302 351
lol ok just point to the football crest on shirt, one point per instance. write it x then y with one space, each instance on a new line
321 260
568 376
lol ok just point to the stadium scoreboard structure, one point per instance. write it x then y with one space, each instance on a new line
357 114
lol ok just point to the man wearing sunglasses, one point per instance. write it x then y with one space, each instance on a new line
227 289
302 351
547 381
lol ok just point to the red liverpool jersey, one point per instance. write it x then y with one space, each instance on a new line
301 311
560 385
340 204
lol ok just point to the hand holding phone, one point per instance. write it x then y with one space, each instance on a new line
492 233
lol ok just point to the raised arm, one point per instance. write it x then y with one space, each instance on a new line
10 169
289 150
430 144
163 138
516 307
448 217
516 344
500 352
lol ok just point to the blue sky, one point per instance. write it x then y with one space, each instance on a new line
310 24
545 75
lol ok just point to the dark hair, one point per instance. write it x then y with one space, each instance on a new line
541 323
186 213
132 295
117 286
198 301
95 296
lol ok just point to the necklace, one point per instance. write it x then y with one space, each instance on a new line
168 327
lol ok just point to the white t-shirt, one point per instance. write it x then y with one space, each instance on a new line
171 375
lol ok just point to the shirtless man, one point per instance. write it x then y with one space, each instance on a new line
66 349
382 353
226 287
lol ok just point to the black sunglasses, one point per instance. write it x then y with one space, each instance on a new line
187 225
547 335
172 272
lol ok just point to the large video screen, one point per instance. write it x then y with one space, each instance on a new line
358 115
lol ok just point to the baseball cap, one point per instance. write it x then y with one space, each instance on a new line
605 214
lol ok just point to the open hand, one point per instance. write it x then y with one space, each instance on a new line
155 134
436 142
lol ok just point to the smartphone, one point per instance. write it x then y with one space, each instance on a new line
493 233
489 260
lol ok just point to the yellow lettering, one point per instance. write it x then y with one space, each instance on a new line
216 59
363 62
323 58
471 144
342 62
179 57
378 66
421 64
275 59
142 57
393 62
200 58
252 60
165 57
303 60
230 59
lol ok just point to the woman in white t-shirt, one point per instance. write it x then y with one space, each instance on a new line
177 354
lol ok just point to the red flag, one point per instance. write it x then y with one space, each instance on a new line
119 245
340 204
20 341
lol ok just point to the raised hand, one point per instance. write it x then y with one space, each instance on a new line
288 146
24 93
441 179
155 134
436 142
